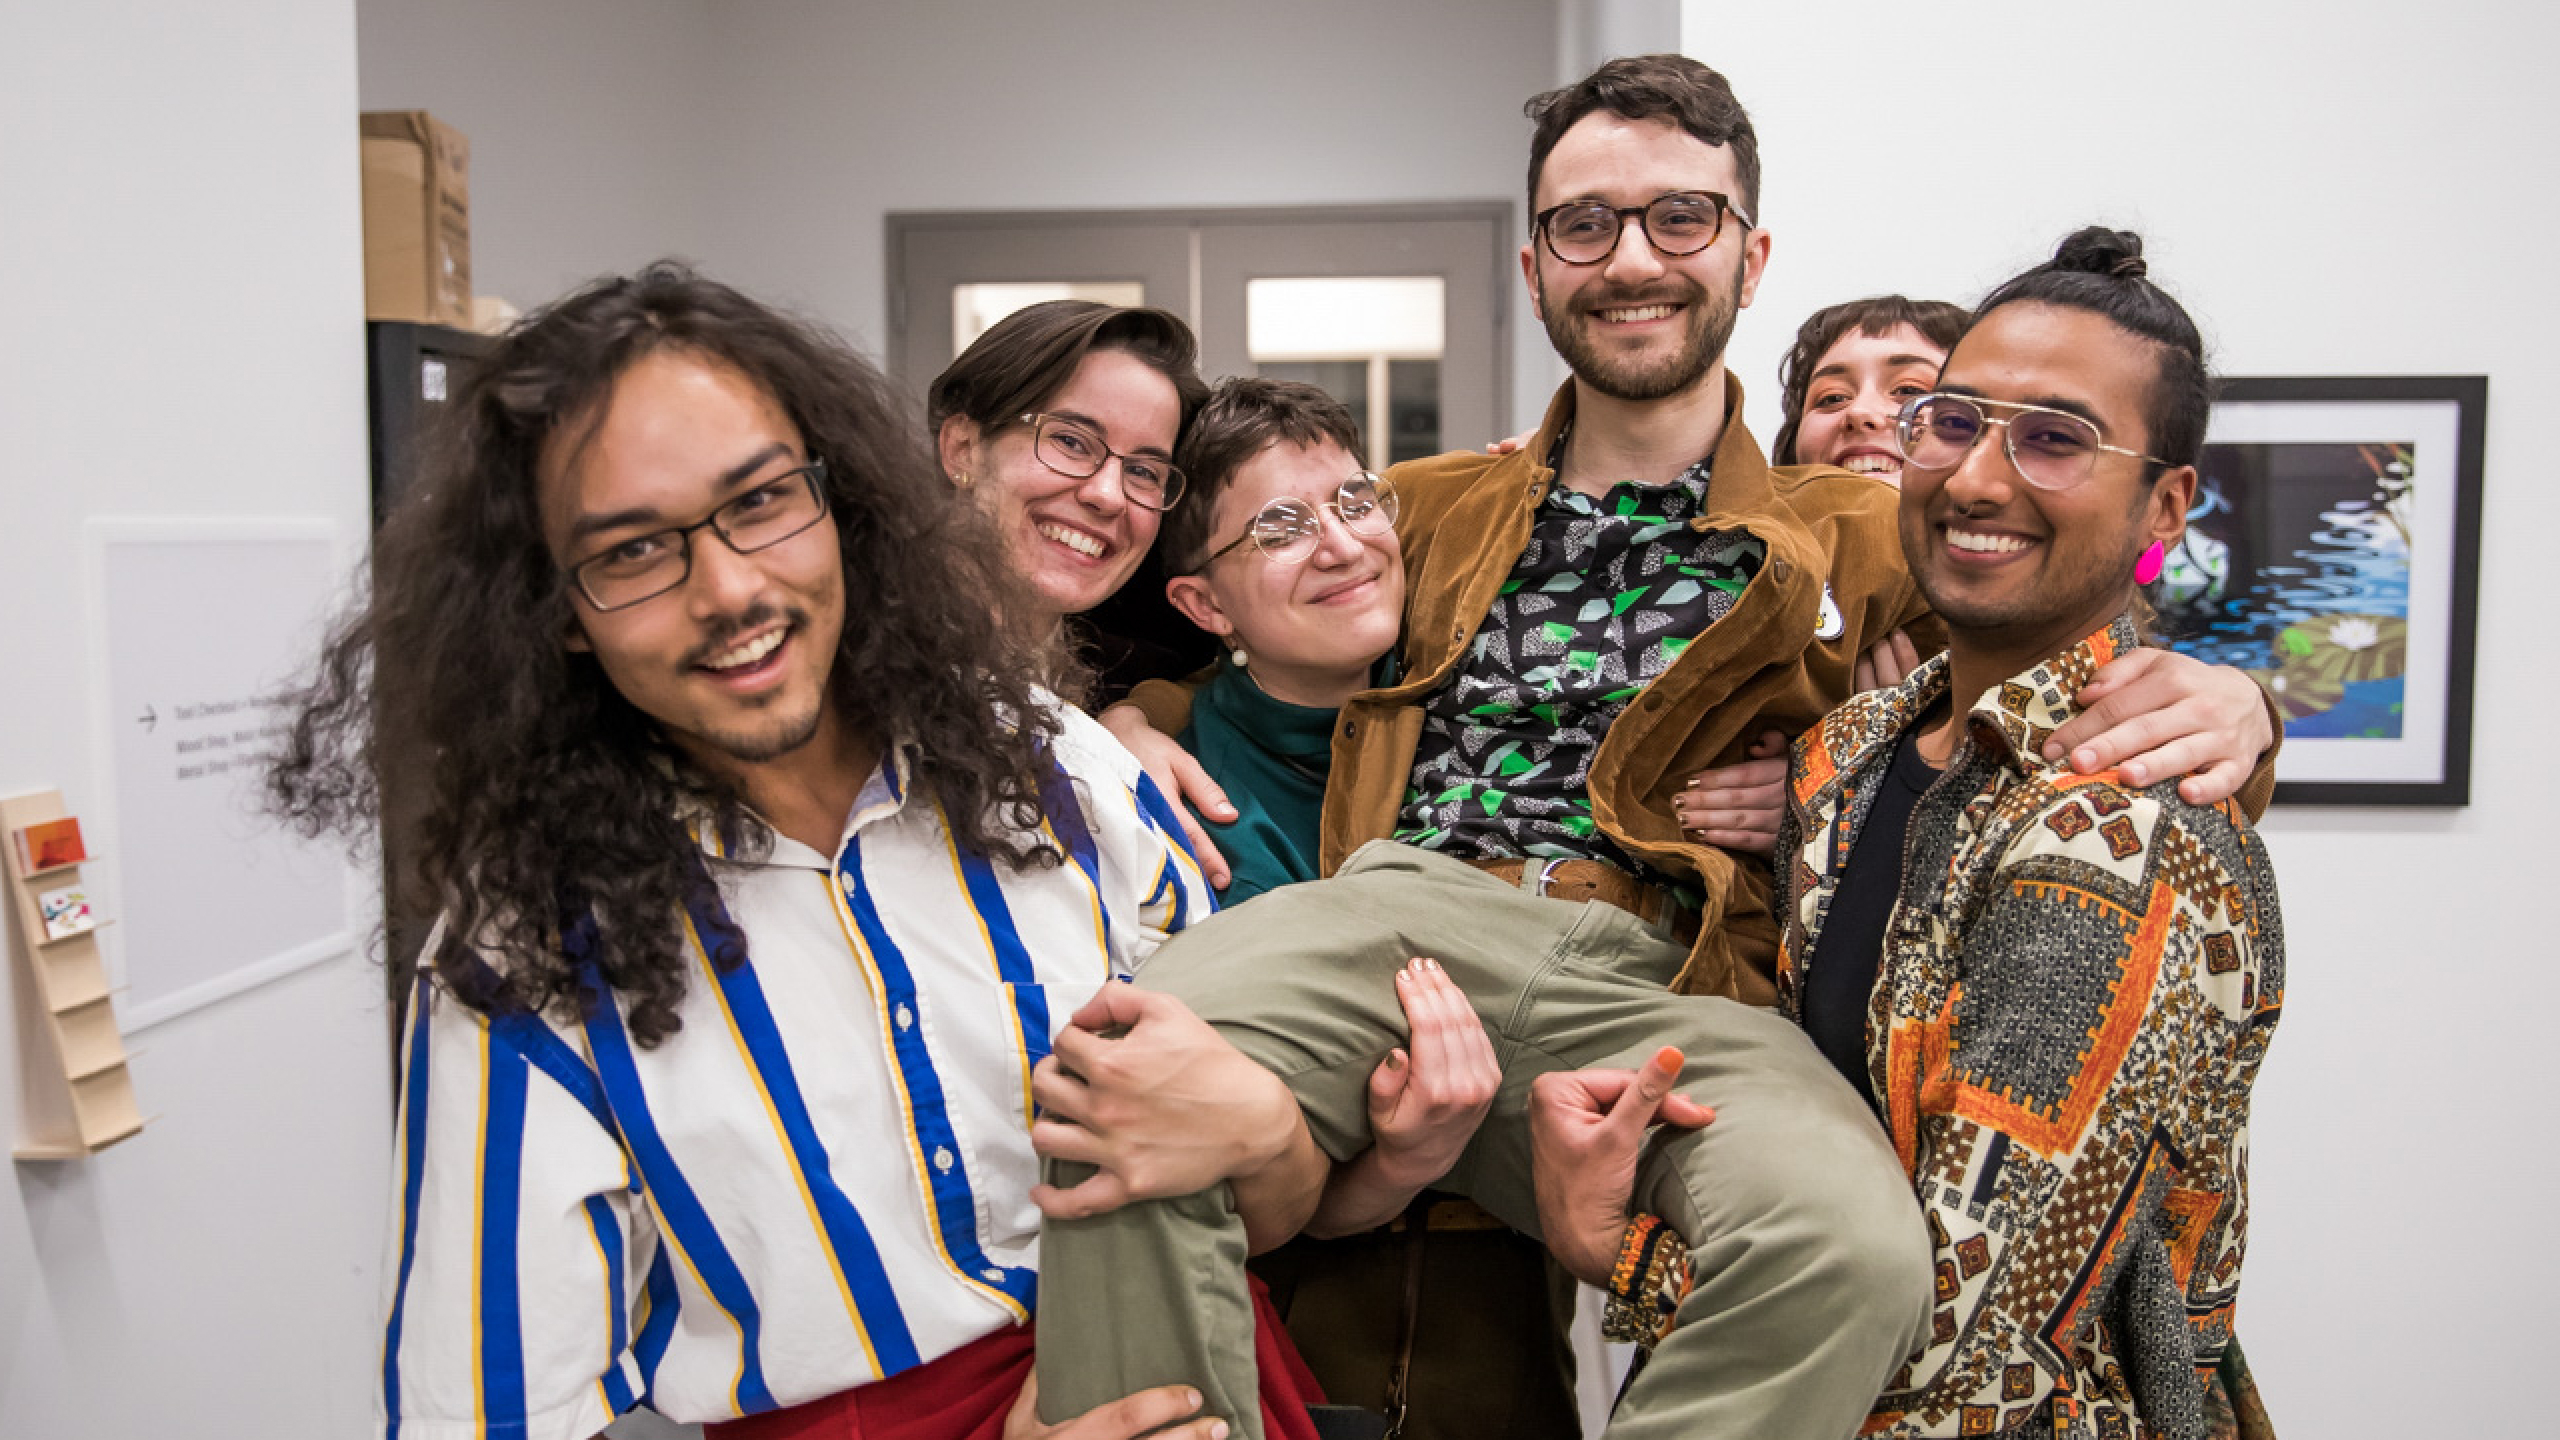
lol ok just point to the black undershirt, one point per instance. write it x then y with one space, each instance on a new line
1851 950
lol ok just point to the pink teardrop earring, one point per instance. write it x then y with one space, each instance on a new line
2147 569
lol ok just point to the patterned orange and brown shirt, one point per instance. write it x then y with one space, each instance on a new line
2077 988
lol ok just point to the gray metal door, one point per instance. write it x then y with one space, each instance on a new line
1328 282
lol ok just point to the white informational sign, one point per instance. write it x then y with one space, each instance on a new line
196 627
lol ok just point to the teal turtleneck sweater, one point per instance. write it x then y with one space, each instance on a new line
1271 757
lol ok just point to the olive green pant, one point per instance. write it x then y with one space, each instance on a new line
1811 1270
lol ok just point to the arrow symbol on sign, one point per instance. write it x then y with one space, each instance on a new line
150 720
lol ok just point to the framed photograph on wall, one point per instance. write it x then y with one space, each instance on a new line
2333 551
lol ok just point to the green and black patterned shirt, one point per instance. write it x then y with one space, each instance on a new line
1605 597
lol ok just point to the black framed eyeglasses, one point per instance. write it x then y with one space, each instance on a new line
1288 529
1683 222
1072 449
647 566
2052 449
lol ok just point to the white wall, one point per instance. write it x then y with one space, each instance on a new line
768 139
2341 188
591 125
181 301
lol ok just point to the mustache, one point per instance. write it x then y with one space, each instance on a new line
725 633
1685 293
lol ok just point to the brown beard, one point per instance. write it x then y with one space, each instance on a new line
1710 326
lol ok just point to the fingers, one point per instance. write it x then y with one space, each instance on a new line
2116 674
1056 1139
2105 735
1196 788
1452 1059
1111 1007
1100 1194
1746 777
1134 1415
1888 662
1635 1109
1906 655
1682 1113
1204 851
1183 782
1772 745
2174 758
1059 1093
1461 1064
1022 1422
1737 807
2140 703
1561 1095
1387 1085
1194 794
1702 805
2214 783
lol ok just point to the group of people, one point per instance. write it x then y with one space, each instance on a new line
833 1030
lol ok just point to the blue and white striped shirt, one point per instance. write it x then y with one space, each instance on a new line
822 1179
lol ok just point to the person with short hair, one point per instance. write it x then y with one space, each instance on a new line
768 873
2054 990
1633 596
1284 549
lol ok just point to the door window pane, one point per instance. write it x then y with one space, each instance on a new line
1413 410
1372 342
976 306
1344 380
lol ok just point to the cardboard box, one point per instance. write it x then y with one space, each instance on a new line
417 219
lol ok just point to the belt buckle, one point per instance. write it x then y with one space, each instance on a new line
1546 874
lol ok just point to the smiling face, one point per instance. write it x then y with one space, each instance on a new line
1074 539
2019 572
1311 629
1640 325
1856 390
733 663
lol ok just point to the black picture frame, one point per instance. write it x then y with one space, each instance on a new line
2334 552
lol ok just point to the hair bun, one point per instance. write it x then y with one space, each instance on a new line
2096 250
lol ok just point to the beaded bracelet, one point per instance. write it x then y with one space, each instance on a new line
1647 1284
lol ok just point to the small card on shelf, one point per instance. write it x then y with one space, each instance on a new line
50 845
66 912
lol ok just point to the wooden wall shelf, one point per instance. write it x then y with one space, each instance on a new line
78 1097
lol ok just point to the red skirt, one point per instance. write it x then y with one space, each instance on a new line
966 1394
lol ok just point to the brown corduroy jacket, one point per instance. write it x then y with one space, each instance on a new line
1777 661
1833 584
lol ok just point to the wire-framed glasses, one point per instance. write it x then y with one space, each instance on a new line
1073 450
647 566
1683 222
1287 530
2052 449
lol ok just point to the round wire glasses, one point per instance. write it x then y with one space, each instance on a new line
1288 529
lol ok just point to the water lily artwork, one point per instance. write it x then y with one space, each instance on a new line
2331 552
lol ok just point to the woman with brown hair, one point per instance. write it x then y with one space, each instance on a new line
1847 375
1060 422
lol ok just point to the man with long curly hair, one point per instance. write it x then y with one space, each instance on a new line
766 870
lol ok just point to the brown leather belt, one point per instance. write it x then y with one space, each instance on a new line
1580 880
